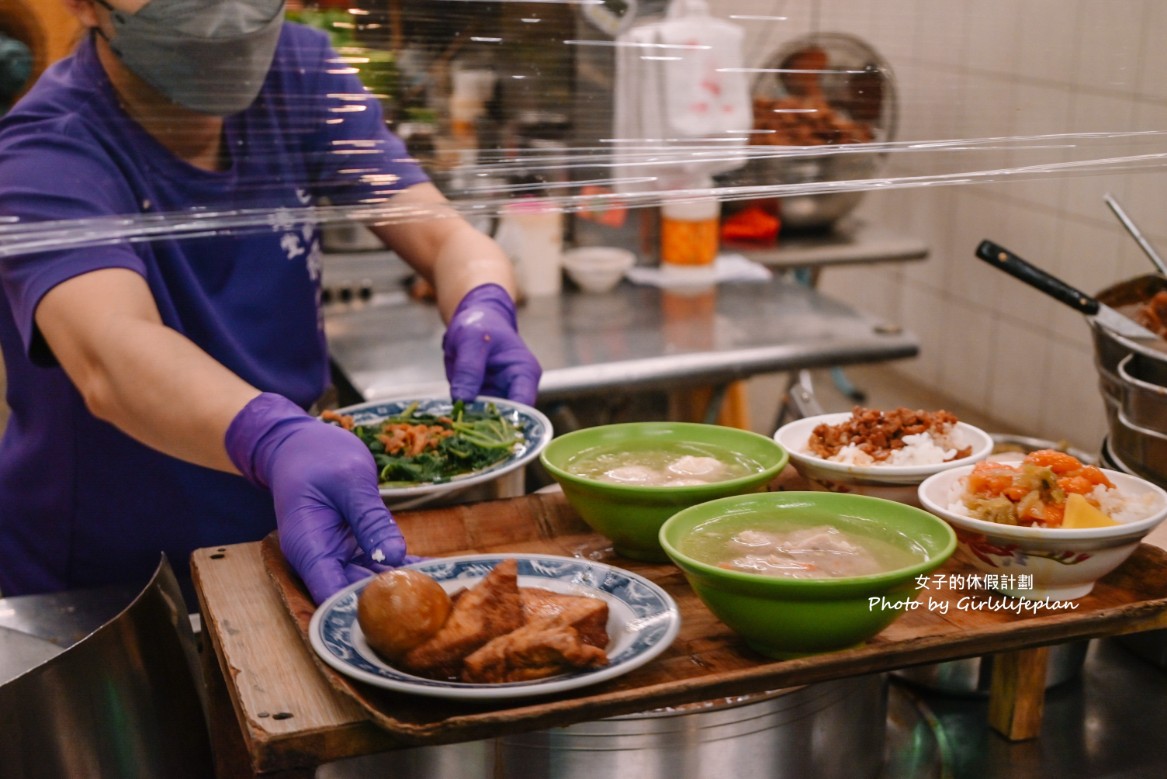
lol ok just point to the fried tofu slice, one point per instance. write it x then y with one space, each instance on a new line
587 615
539 649
563 633
490 609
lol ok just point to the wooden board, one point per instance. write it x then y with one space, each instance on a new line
707 660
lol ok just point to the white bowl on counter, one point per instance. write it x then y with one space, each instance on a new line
892 482
1063 563
597 269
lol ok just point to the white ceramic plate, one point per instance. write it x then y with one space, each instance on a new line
535 426
643 620
794 435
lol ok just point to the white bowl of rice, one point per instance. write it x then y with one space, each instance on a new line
889 465
1036 562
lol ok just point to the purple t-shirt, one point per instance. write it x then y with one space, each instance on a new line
81 504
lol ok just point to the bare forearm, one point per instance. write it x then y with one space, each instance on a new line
139 375
167 393
467 260
446 249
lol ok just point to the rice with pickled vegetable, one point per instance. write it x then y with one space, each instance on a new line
1036 492
1110 501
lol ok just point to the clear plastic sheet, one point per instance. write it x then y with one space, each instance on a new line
1044 106
551 137
1082 154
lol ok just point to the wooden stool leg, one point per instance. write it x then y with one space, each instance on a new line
1017 693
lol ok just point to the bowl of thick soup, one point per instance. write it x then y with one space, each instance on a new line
798 573
626 479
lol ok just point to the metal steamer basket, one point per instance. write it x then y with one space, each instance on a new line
830 75
1132 378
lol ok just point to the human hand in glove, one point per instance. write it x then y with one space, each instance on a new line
484 354
334 528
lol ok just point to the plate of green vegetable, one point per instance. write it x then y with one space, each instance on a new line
432 446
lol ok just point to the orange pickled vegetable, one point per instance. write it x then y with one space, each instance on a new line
1058 462
1096 476
399 437
990 478
1046 514
1037 488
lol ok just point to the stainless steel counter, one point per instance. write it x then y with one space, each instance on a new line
631 339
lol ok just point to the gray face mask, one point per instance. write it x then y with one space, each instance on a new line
210 56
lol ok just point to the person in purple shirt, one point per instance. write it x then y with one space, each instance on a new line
158 384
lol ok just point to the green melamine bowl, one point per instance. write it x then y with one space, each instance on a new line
785 618
631 515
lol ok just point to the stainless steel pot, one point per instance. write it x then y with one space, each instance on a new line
1144 391
973 675
1145 450
1142 450
1111 460
828 730
816 210
1109 347
1150 646
20 651
125 701
1136 412
1110 384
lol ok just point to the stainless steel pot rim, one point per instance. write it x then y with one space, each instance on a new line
1126 422
1143 403
714 704
1110 385
22 652
1130 345
1111 458
1138 455
1030 444
1128 378
1143 473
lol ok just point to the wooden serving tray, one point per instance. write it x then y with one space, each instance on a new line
707 661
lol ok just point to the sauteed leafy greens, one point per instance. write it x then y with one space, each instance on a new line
414 447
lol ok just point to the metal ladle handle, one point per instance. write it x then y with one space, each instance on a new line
1136 234
1018 268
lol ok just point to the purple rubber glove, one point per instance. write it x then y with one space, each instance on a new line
483 351
334 527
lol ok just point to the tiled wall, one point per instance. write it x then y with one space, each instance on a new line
1067 74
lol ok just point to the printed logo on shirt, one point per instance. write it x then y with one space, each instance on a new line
300 241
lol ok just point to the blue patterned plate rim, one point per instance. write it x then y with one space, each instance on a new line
536 428
643 621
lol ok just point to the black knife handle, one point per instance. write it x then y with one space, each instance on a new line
1036 277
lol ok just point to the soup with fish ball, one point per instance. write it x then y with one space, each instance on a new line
753 542
662 465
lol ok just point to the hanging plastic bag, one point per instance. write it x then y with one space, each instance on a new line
682 109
